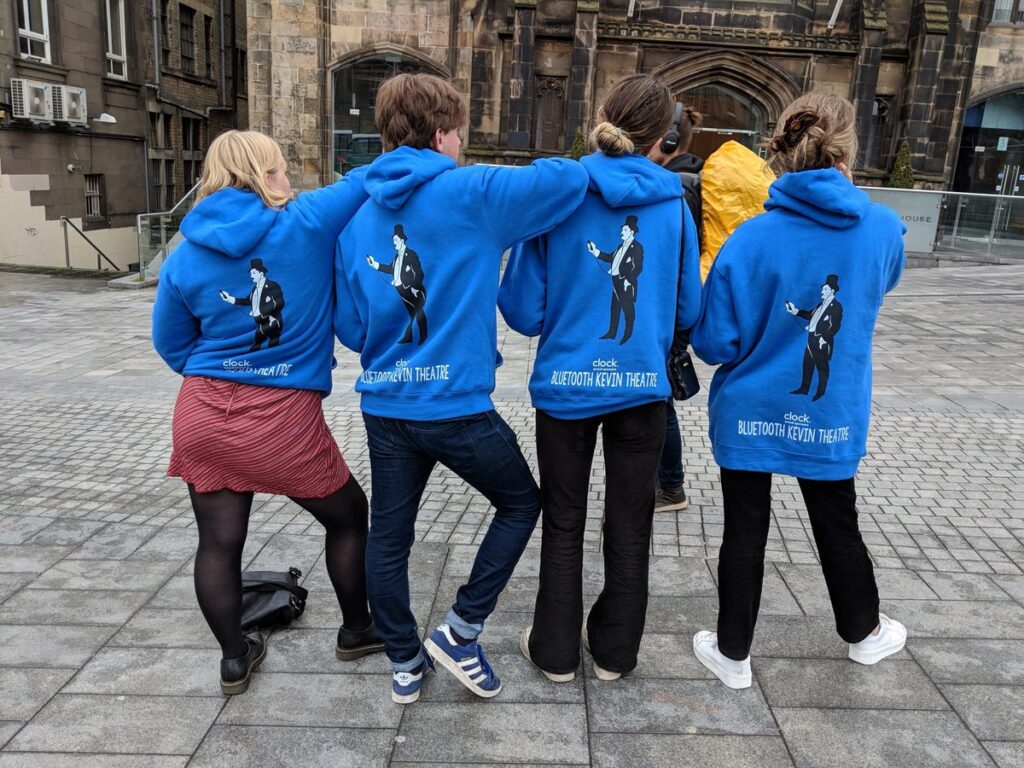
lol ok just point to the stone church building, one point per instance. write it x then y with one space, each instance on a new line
534 71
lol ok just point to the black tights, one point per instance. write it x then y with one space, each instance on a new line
223 518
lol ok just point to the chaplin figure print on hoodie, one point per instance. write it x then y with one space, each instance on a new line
265 302
627 262
823 324
407 278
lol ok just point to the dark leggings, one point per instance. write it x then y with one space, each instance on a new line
849 575
223 518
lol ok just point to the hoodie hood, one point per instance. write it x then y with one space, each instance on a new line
630 180
824 196
685 163
232 221
395 175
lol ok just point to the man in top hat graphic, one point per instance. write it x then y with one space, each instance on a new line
627 262
822 326
407 278
265 302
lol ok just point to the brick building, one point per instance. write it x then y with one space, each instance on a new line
533 71
171 74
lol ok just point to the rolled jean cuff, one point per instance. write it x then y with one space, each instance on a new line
411 664
462 627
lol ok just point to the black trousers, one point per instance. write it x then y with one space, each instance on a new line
849 575
414 306
565 451
624 301
816 357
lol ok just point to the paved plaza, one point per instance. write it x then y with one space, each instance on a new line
105 659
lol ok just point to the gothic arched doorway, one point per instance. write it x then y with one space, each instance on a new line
728 116
354 137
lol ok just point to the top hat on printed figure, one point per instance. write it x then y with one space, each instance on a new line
631 223
400 232
832 281
257 264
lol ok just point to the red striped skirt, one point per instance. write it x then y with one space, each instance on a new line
246 438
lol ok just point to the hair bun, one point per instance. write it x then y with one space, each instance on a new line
612 140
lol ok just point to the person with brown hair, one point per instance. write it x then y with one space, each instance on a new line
429 402
248 418
583 381
818 232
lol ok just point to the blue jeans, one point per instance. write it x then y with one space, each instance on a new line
670 472
482 450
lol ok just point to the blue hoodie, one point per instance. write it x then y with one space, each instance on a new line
619 254
417 275
248 296
788 312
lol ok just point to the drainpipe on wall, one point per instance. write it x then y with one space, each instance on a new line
222 88
453 32
156 45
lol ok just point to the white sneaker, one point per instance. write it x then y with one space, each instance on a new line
891 638
735 674
524 646
599 672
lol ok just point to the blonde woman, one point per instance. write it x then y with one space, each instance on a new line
244 312
792 301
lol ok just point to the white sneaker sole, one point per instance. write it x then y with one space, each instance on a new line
408 698
599 672
554 677
735 680
446 661
875 656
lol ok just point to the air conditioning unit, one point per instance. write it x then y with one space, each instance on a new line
31 100
69 105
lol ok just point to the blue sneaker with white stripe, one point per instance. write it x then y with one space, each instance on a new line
405 686
466 662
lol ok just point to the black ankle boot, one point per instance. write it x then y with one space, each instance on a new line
354 645
235 674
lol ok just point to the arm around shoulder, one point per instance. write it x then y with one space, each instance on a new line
334 205
348 322
523 295
688 309
716 336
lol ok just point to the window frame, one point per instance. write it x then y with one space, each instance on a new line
188 63
95 205
22 9
113 59
1015 13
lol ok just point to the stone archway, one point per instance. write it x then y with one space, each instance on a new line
758 80
354 79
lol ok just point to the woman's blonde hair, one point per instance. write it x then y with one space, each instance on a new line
635 114
816 131
241 159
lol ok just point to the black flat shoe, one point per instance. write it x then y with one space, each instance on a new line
354 645
235 674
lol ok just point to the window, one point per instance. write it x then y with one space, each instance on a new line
165 35
187 25
117 63
243 73
876 150
159 130
34 29
94 197
190 129
549 112
208 38
162 179
1009 11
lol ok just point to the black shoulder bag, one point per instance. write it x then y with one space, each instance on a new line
681 373
271 598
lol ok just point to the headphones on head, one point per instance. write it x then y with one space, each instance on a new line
670 142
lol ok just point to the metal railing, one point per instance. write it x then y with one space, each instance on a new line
159 235
65 222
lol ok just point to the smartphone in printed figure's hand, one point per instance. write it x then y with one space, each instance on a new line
592 247
791 307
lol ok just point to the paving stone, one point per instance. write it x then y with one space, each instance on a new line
68 760
549 733
680 576
681 614
66 533
993 712
153 628
24 691
7 731
808 584
965 586
79 607
17 529
315 700
825 738
178 592
25 558
37 646
828 683
322 610
175 544
1013 585
116 541
10 583
1007 754
106 574
614 751
269 747
297 649
521 682
959 618
668 655
676 706
971 661
157 671
124 724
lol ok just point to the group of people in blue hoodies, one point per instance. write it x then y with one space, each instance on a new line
401 262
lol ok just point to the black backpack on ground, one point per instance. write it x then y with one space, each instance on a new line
271 599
